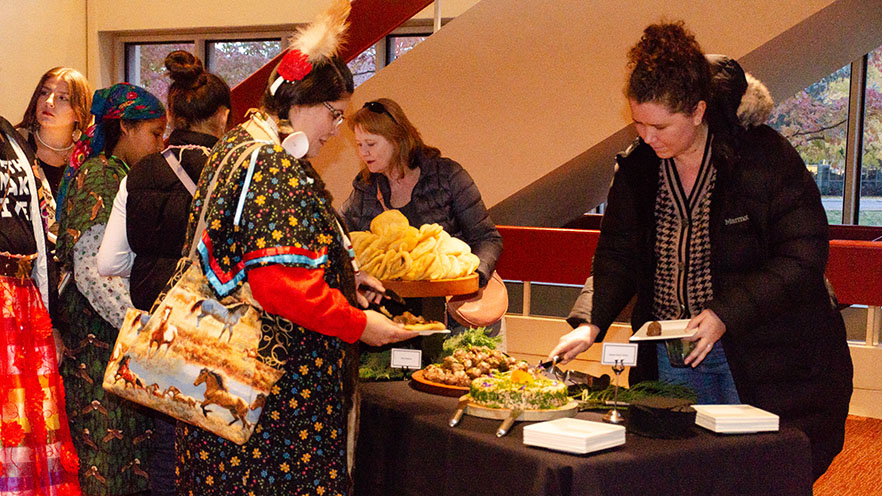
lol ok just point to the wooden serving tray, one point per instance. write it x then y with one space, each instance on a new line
440 287
475 410
420 383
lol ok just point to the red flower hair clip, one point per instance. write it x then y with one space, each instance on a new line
293 67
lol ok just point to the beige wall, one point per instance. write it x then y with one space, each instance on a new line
82 32
107 17
27 51
513 89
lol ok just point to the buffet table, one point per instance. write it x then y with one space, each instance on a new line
405 447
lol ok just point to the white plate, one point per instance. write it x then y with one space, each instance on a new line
670 329
734 412
429 333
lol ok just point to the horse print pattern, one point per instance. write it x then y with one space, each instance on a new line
228 316
198 356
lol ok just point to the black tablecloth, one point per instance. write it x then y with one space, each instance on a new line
406 448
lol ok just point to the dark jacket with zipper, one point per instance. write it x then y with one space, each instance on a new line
785 341
157 209
444 194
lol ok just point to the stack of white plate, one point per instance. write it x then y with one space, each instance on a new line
735 419
574 435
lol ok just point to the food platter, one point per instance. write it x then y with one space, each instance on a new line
439 287
420 383
475 410
670 329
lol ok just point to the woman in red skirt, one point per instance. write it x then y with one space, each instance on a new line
36 453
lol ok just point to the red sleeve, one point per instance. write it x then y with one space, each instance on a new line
302 296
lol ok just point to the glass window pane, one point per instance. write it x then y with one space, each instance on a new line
814 120
399 45
145 65
870 213
235 60
364 66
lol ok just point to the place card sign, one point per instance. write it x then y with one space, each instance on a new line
403 358
622 353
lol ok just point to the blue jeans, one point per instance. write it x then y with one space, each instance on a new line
162 461
711 380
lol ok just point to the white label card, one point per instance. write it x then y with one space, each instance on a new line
403 358
624 353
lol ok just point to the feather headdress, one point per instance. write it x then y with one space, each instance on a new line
320 40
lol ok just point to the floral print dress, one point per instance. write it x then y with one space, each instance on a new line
299 444
111 434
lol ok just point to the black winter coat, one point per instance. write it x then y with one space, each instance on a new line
156 215
785 341
444 194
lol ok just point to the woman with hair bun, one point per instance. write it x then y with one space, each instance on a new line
270 223
712 216
148 223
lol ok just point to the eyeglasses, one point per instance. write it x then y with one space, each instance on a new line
338 116
378 108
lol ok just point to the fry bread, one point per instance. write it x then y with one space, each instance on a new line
393 249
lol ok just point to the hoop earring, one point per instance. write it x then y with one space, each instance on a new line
76 134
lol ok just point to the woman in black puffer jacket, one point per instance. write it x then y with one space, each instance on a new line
713 217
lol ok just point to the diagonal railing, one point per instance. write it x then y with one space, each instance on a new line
370 21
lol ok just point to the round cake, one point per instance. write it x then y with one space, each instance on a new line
518 389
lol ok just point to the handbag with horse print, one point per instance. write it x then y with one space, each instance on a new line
194 357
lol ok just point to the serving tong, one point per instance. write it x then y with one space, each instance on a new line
392 303
575 381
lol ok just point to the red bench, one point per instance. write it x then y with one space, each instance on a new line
563 256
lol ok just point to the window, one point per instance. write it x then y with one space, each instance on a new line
817 122
234 60
814 120
399 45
871 159
364 66
236 56
145 65
231 56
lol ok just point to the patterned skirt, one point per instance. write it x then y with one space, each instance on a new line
299 444
37 456
111 435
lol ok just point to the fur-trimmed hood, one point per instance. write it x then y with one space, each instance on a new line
756 103
737 97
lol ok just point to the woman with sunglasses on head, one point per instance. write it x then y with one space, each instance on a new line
57 115
402 172
148 222
272 225
129 124
713 217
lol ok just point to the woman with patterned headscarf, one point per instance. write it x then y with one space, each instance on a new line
109 433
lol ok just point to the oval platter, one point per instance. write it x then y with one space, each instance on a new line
420 383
